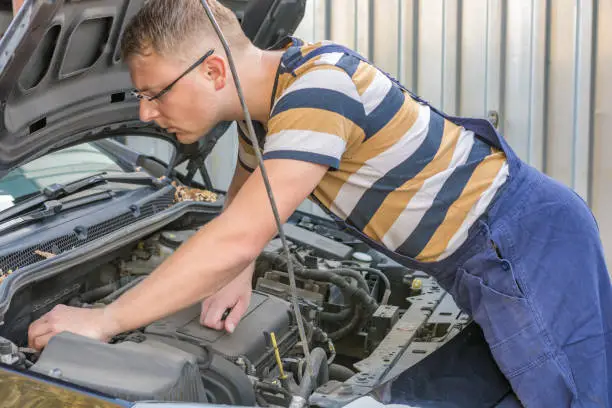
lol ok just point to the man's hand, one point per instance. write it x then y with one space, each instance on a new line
93 323
235 295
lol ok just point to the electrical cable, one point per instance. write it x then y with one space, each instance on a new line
264 174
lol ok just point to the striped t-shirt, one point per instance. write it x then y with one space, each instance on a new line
399 172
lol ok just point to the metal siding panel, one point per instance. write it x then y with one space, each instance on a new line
386 35
517 87
601 195
408 46
430 50
319 21
451 57
583 98
539 76
362 27
561 109
343 20
305 30
474 36
494 59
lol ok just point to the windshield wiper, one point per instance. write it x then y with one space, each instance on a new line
54 207
57 191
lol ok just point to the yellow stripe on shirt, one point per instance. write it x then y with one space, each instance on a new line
479 182
397 200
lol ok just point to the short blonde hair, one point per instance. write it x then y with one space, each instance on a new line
179 28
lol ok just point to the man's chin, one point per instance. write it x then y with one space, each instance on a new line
186 138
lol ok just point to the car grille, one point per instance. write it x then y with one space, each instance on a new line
56 246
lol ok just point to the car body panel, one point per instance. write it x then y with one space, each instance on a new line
62 80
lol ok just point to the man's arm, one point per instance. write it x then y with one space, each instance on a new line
236 295
201 266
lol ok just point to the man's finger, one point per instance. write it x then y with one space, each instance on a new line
41 341
235 315
37 329
213 316
205 307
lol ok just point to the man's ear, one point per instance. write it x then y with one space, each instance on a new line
215 70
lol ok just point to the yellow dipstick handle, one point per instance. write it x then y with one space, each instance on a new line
277 355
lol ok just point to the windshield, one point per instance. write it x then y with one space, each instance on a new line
61 167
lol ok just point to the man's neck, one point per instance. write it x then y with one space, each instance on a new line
257 73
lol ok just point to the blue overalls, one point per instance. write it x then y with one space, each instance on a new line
532 274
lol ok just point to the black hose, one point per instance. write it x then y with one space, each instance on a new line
97 293
261 401
340 373
351 274
349 327
319 376
358 267
114 295
364 305
336 316
272 389
359 295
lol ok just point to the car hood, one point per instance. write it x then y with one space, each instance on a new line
62 81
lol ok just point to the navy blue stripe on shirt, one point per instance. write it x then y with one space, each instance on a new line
385 111
349 64
450 192
373 198
324 49
325 99
304 156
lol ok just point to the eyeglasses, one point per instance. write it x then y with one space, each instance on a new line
164 91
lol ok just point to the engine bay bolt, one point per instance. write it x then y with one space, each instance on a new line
5 347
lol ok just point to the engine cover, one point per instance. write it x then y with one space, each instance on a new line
131 371
249 340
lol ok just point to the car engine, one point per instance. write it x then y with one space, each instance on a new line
366 317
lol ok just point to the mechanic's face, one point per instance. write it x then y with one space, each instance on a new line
192 105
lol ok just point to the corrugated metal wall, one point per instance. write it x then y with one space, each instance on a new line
544 67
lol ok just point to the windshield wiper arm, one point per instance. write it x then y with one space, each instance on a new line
57 191
54 207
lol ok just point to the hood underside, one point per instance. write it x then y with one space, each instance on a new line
62 80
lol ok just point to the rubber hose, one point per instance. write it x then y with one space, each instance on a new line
97 293
352 292
358 267
349 327
340 373
384 278
320 373
357 295
351 274
114 295
336 317
273 389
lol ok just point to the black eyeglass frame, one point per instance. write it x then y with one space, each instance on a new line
164 91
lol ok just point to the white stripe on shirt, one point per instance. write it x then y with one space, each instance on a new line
376 92
416 209
351 192
306 141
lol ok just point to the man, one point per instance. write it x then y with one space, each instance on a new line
518 251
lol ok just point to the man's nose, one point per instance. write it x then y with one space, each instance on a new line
148 111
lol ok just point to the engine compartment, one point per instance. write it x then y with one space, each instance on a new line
367 318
